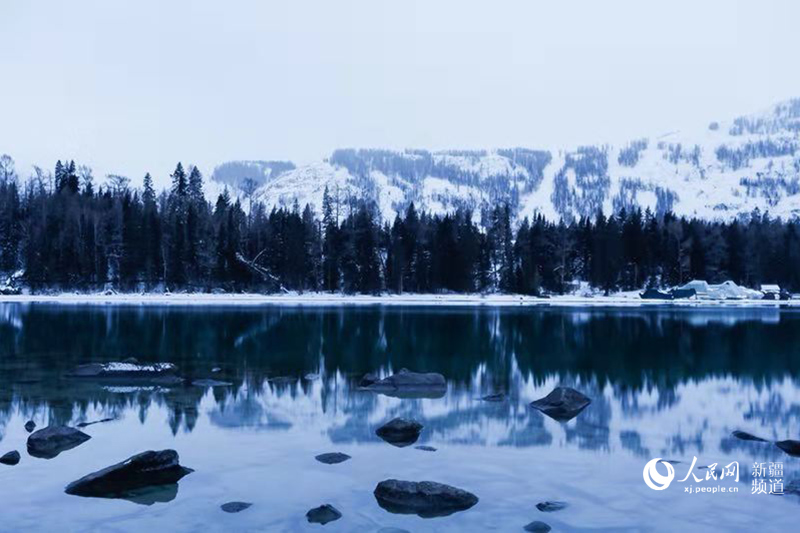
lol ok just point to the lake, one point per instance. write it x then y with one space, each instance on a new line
668 383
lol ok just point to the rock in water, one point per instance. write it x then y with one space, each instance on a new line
551 507
161 373
563 404
332 458
425 498
205 383
792 447
30 425
411 384
537 527
142 470
426 448
52 440
498 397
235 507
400 432
101 421
10 459
323 514
743 435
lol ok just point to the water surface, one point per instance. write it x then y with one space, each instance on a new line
669 383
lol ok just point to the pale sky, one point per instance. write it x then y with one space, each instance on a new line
134 86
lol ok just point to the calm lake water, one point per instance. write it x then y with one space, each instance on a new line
665 383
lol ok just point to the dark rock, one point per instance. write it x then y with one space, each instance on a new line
655 294
323 514
146 469
84 424
52 440
426 448
368 379
551 506
400 432
235 507
425 498
792 447
498 397
160 373
743 435
11 458
210 383
30 425
407 384
563 404
131 361
332 458
537 527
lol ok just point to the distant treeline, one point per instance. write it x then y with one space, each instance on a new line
61 233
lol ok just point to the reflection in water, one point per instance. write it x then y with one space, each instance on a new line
669 383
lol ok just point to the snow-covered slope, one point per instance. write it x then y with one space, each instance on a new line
726 170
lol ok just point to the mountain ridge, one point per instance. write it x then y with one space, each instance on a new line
725 171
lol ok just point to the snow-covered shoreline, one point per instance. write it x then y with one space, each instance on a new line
630 299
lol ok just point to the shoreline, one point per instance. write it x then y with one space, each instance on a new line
411 300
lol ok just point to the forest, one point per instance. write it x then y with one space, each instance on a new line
59 231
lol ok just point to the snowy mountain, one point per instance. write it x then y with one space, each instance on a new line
727 170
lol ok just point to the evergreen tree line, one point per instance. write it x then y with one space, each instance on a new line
58 233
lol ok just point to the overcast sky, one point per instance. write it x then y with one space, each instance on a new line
134 86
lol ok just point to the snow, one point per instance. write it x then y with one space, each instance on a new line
624 299
708 189
133 367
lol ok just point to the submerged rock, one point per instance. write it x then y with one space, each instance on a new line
52 440
283 380
411 384
497 397
792 447
537 527
426 448
332 458
10 459
425 498
235 507
102 421
161 373
205 383
323 514
743 435
30 425
400 432
562 404
146 469
152 494
551 506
